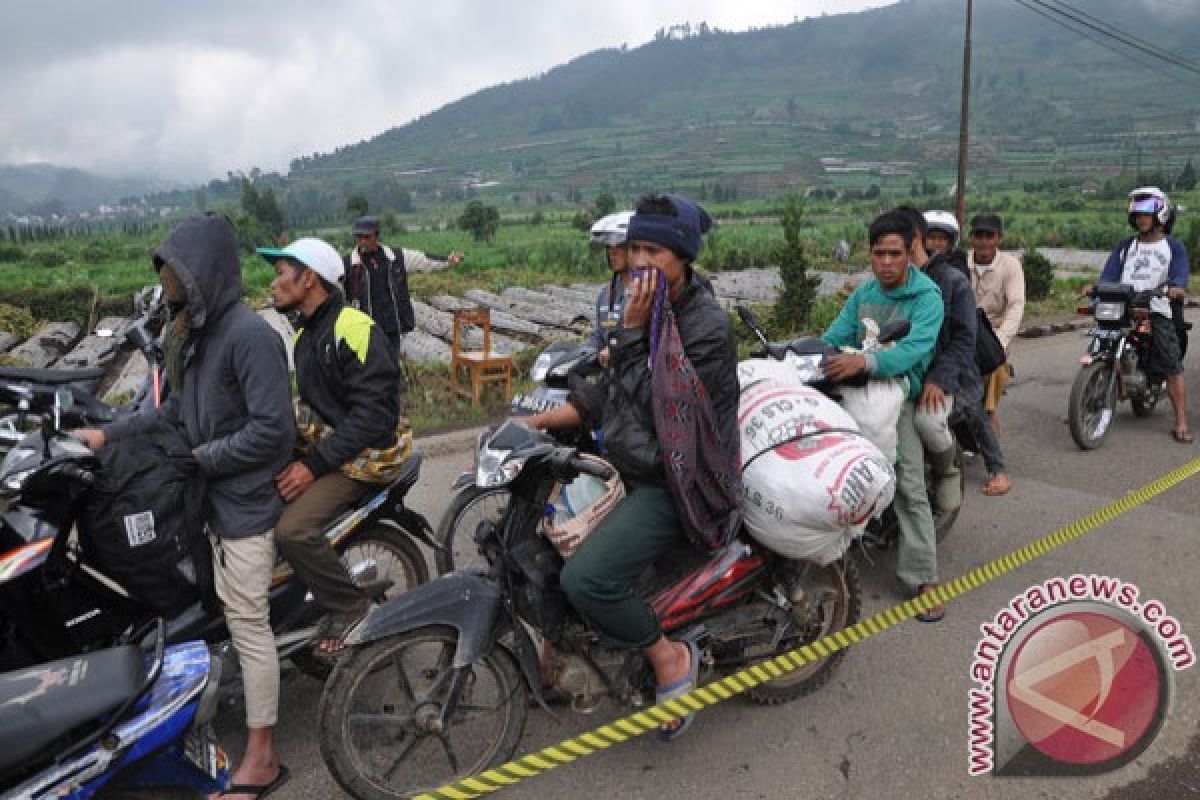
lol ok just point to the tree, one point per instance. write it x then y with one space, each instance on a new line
799 288
1187 179
480 220
356 205
605 204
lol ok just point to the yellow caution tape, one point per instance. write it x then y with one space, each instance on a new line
712 693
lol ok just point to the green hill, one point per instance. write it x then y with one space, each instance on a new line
754 112
46 188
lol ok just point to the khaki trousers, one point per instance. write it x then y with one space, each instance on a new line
242 573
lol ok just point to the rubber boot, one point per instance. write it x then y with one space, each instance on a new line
947 480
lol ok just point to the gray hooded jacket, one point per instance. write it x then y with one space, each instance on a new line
234 404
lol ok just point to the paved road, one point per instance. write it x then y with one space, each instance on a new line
892 723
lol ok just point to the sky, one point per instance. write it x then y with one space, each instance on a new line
188 91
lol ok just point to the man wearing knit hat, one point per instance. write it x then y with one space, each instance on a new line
601 577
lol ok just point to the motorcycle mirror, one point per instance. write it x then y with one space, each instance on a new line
894 330
747 316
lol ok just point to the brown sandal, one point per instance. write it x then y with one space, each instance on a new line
1183 436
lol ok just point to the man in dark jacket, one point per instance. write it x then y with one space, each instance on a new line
347 376
953 377
228 372
600 578
377 280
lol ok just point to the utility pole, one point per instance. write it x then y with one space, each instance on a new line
960 197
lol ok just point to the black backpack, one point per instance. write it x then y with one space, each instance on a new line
142 523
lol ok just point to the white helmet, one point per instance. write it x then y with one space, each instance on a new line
1149 200
945 222
317 255
611 230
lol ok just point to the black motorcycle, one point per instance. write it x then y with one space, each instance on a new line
438 682
807 354
1115 367
472 504
55 603
28 393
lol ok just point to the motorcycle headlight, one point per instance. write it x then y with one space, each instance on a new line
492 470
1109 311
17 466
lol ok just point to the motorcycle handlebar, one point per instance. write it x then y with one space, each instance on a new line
589 467
78 473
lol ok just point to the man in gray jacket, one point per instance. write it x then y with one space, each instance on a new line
230 397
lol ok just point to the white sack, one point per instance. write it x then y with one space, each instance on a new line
811 481
876 408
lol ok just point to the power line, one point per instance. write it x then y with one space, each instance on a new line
1165 54
1029 6
1106 30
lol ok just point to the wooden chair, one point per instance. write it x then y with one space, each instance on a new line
482 366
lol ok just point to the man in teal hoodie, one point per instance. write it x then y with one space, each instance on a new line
898 291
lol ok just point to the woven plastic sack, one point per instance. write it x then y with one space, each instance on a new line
579 507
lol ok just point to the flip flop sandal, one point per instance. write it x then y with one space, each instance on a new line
335 627
678 689
936 613
258 790
1183 436
990 492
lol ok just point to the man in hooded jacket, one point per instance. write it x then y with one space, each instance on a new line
230 397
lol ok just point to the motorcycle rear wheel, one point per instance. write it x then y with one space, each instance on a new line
837 589
456 532
1144 402
1088 410
380 553
377 717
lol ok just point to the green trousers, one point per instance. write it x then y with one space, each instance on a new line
916 561
601 576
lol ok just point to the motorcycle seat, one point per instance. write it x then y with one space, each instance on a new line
41 704
51 377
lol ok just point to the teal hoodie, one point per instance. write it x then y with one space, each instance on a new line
919 301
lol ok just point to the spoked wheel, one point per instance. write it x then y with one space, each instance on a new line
826 600
456 533
1144 401
385 730
1090 411
379 554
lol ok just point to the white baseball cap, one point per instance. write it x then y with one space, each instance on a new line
316 254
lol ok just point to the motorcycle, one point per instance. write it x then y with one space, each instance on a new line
806 355
54 603
471 504
1115 366
28 393
437 683
113 721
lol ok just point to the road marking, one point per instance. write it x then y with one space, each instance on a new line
710 694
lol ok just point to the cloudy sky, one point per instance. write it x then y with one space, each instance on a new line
189 90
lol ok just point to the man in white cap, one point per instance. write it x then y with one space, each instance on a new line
348 411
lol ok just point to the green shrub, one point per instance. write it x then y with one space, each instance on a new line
96 252
18 321
1039 275
11 253
49 258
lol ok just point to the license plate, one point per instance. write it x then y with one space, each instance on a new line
202 751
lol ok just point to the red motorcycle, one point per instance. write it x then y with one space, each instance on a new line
438 683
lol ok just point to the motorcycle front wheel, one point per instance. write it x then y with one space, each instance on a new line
383 730
829 600
1090 410
456 533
